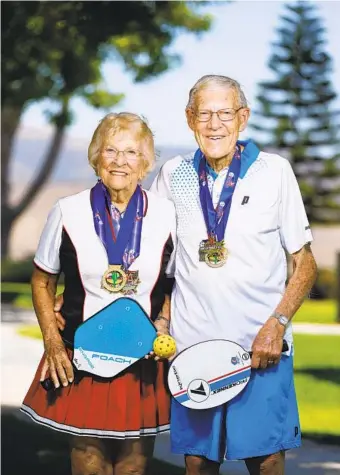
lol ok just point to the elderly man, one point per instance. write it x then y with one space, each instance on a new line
238 211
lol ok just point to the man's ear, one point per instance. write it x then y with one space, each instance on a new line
190 118
244 117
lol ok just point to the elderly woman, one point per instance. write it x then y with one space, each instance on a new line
80 240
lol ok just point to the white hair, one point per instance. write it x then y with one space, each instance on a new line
215 79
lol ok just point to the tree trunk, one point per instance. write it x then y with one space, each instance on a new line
10 119
11 214
6 224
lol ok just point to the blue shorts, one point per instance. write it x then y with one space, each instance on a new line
263 419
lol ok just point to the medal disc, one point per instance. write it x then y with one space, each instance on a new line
216 257
114 279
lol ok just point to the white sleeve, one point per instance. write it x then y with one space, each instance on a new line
161 184
47 255
295 230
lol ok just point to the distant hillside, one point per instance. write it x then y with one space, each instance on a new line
72 165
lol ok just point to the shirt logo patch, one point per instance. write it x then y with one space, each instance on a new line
245 200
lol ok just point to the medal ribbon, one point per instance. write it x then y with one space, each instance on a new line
216 219
120 236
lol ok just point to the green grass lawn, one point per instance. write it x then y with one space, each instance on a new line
317 382
32 331
316 311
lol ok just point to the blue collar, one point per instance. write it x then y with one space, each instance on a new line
248 157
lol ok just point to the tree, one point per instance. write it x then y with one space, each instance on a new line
295 110
55 50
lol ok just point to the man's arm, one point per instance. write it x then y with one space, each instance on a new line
267 345
301 282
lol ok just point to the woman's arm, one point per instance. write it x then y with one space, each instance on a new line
57 361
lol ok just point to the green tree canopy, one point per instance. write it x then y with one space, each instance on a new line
295 115
56 49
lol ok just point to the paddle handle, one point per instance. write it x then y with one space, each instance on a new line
47 384
285 347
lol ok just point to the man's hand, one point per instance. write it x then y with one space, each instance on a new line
267 346
58 303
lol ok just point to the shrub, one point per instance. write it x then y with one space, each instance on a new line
17 271
325 286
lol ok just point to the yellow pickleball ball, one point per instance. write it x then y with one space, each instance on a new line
164 346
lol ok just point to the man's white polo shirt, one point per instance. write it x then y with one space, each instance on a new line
267 217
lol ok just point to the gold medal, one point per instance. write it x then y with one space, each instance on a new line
216 257
114 279
213 253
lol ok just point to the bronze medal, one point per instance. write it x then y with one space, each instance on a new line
132 281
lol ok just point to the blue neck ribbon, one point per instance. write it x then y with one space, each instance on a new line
121 236
216 219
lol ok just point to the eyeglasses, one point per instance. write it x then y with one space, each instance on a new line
225 115
130 154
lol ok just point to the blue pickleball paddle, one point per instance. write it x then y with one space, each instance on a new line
112 340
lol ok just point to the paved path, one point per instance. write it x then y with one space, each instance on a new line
316 328
20 356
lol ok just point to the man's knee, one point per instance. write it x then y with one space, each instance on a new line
269 465
196 465
273 464
89 457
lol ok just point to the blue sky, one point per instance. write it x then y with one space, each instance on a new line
238 46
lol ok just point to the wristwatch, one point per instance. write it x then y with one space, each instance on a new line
282 319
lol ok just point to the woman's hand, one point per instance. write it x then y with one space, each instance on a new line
162 327
57 363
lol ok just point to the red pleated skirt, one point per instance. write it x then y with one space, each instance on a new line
133 404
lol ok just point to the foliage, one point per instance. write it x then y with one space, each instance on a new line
19 294
326 284
18 274
295 115
317 381
56 50
16 271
